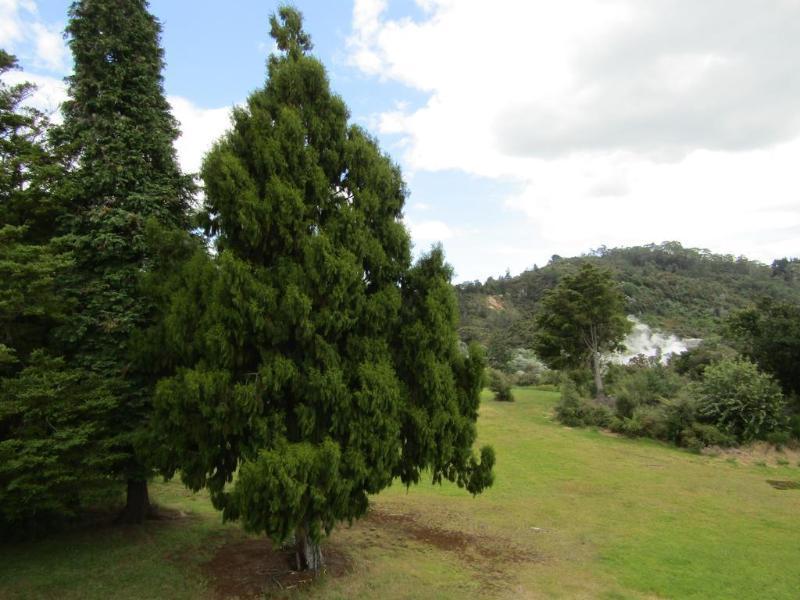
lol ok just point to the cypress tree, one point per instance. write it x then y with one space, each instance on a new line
118 135
51 416
311 359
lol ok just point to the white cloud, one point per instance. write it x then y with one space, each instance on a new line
41 45
427 232
23 33
621 121
10 25
50 92
200 128
51 52
366 22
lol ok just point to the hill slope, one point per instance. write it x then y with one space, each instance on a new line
680 290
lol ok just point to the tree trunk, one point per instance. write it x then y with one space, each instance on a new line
598 377
307 551
137 504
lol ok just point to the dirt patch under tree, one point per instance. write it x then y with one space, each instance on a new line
247 569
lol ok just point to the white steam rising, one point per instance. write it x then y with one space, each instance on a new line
643 340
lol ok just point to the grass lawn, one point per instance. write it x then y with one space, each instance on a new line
573 514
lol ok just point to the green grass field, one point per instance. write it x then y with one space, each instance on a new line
573 514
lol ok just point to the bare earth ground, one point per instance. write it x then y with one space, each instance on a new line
253 568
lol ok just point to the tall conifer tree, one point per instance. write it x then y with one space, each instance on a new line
312 359
52 459
118 133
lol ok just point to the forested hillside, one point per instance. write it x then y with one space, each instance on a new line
680 290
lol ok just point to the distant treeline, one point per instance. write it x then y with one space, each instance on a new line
685 291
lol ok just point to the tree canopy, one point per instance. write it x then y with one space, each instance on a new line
769 334
52 415
314 362
117 138
582 317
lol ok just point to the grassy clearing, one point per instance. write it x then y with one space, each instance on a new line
573 513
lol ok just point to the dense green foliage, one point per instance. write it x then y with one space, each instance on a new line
574 410
52 416
580 319
118 136
500 384
693 362
731 403
641 382
28 262
740 400
76 203
54 457
769 334
311 359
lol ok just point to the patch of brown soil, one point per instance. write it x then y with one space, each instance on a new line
490 556
495 303
247 569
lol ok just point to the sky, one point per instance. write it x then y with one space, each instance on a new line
524 129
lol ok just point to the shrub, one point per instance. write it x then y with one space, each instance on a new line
500 384
740 400
570 409
550 377
526 367
794 427
525 378
599 415
646 421
679 415
699 435
779 439
693 362
641 383
583 380
575 411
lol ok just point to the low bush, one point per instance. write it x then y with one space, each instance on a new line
794 427
527 369
525 378
740 400
550 377
642 382
679 414
500 384
693 362
699 435
646 421
779 439
576 411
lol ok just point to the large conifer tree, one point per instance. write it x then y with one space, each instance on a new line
118 133
52 459
311 360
